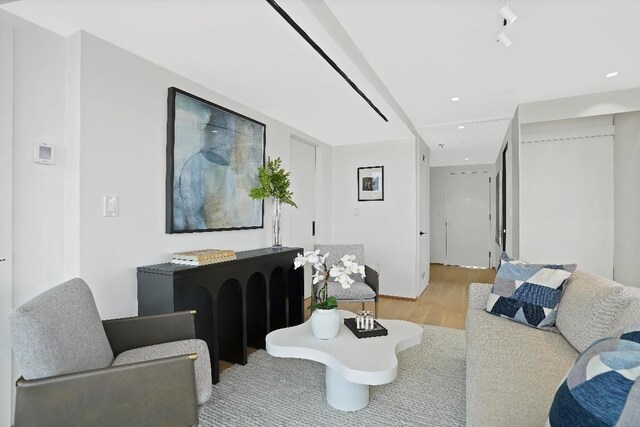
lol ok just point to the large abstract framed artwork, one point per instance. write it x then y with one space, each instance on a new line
213 155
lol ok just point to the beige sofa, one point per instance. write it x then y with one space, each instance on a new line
513 370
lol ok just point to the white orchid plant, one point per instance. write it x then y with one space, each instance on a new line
340 273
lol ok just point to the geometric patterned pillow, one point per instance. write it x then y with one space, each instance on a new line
528 293
603 387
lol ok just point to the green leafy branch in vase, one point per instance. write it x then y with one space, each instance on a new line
274 182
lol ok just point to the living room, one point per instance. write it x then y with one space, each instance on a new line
430 136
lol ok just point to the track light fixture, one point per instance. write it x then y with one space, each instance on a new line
507 14
504 39
508 17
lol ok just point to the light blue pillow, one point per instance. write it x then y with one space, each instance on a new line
528 293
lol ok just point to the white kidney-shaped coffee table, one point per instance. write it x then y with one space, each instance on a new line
352 364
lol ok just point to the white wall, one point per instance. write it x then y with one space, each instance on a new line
627 198
388 229
423 205
438 219
38 204
105 111
566 194
123 139
6 148
596 104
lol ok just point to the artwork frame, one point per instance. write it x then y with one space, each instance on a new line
237 134
371 184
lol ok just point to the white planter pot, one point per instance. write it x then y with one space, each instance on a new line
325 324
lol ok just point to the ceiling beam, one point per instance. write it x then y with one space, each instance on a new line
334 28
466 122
323 54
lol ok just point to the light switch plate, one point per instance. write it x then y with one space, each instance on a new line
111 205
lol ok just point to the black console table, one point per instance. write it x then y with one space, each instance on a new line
237 302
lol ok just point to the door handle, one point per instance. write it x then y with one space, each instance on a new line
422 233
3 260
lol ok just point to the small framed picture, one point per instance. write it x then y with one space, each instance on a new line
370 183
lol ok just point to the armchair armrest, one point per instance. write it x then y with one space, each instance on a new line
372 278
133 332
160 393
479 295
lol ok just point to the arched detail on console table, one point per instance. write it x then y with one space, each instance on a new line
295 293
256 297
277 299
230 322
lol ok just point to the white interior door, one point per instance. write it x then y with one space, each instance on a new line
6 142
467 209
424 215
303 186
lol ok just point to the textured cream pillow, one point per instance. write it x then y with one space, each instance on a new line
589 308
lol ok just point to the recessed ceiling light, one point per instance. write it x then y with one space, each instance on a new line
461 127
455 98
214 131
613 74
466 158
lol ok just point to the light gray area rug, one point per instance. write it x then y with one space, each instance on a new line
269 391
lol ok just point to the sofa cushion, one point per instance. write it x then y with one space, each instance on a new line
336 252
603 387
59 332
629 315
358 291
513 371
528 293
176 348
589 308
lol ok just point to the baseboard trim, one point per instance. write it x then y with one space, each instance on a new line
398 298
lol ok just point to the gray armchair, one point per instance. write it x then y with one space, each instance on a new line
80 371
363 289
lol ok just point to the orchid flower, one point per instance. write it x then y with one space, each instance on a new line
299 261
318 277
341 273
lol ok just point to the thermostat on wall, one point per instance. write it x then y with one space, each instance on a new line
44 154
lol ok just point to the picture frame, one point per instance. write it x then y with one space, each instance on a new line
213 155
371 183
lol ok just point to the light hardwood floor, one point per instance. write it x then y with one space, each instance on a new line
443 303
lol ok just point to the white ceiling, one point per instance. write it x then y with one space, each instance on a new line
240 48
424 51
430 51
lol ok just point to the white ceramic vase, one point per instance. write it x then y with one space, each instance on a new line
325 324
